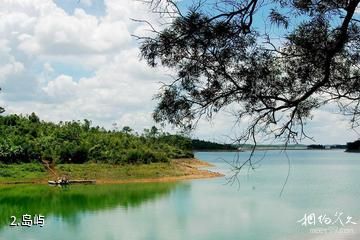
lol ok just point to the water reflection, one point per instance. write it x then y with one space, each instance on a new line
199 209
67 203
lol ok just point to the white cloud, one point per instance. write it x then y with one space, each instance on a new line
11 68
331 127
37 36
62 87
8 64
74 66
42 28
61 34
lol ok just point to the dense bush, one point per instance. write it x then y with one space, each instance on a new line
206 145
28 139
353 146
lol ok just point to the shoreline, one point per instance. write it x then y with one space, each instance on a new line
180 170
272 149
191 167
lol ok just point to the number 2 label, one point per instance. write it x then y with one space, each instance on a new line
13 222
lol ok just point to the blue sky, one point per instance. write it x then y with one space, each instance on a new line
93 7
70 60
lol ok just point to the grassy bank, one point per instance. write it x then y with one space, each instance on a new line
107 173
26 172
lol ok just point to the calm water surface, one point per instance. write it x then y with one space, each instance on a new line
320 182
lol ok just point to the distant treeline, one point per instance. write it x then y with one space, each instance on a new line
249 147
319 146
28 139
202 145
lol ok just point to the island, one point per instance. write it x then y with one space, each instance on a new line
36 151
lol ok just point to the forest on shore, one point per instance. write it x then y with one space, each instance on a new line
27 139
353 146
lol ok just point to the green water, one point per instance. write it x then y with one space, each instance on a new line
320 182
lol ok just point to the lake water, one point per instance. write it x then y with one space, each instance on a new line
324 184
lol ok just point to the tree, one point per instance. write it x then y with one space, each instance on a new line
34 118
127 130
276 80
154 131
29 139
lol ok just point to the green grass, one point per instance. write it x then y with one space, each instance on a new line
22 172
28 172
108 171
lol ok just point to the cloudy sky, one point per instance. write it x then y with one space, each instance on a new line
71 60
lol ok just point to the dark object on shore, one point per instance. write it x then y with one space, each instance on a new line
56 183
72 182
65 181
353 146
315 146
61 181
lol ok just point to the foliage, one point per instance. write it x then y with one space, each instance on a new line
28 139
206 145
353 146
316 146
23 171
271 77
272 81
